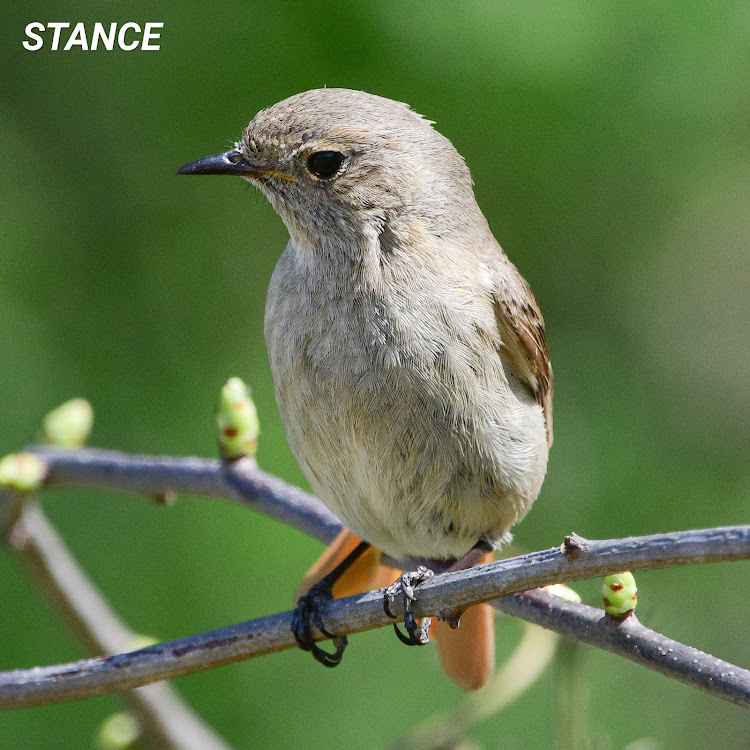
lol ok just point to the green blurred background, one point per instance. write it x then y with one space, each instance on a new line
610 146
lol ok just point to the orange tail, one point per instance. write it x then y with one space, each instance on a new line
467 653
359 577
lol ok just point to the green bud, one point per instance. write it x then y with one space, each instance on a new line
69 425
237 419
118 732
141 641
620 594
563 591
22 472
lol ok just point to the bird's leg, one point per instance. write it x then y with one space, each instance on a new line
310 606
469 560
418 632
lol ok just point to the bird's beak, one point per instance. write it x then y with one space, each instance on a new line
230 162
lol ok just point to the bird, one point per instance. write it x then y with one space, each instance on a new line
408 354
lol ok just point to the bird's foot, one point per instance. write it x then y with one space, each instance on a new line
418 632
307 614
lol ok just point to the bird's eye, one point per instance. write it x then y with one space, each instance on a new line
325 164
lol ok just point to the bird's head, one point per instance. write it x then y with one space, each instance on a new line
343 163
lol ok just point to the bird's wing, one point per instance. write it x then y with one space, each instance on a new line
523 341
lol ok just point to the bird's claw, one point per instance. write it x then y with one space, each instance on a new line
307 614
418 632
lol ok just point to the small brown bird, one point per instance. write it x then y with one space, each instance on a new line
408 354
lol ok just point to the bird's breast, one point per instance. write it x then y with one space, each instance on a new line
400 415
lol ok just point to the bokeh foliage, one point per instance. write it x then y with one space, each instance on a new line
610 146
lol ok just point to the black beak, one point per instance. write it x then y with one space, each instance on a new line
230 162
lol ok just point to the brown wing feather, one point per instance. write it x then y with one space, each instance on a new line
524 342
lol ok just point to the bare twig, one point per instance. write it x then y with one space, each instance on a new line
634 641
242 481
267 635
159 476
165 721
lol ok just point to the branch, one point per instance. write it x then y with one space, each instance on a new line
634 641
165 721
243 482
578 559
159 477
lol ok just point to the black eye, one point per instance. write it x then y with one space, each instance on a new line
325 164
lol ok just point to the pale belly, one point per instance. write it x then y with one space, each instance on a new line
399 410
419 460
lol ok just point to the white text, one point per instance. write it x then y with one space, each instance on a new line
128 37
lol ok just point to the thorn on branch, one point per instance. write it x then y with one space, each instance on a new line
168 497
573 546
